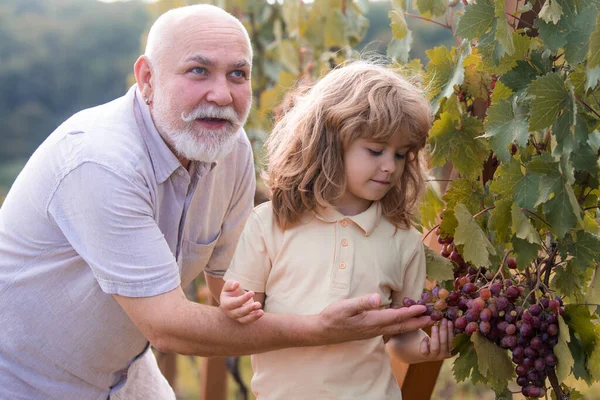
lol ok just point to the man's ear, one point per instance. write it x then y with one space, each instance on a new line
143 76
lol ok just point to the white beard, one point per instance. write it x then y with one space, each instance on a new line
194 143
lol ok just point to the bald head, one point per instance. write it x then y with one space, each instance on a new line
168 28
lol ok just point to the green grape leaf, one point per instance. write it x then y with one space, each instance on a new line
477 20
503 29
493 362
585 249
562 351
560 212
579 319
564 132
509 61
522 228
579 358
467 359
505 124
520 76
399 49
500 221
438 268
452 141
477 247
430 207
398 24
572 32
462 191
522 186
594 50
568 280
444 70
525 252
593 363
550 97
288 56
431 8
551 12
453 107
477 81
592 77
491 49
501 92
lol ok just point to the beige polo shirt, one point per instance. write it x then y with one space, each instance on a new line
323 259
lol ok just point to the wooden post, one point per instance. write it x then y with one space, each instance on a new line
213 374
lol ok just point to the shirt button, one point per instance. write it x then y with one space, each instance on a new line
344 222
342 265
180 172
344 243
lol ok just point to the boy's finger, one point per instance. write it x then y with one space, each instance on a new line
450 335
253 316
434 343
238 301
424 346
230 286
246 309
443 335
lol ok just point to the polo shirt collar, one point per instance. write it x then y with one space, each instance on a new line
367 220
163 160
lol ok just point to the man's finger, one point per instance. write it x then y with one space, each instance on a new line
366 303
407 325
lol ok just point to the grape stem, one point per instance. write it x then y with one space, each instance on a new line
560 395
431 230
501 266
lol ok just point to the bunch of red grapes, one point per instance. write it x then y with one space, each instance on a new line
494 308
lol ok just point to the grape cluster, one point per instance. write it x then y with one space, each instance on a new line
493 308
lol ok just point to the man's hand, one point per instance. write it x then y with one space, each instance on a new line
239 304
360 318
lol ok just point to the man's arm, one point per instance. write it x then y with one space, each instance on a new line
173 324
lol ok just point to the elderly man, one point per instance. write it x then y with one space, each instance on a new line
126 203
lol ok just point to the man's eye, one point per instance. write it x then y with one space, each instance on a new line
239 74
375 152
199 70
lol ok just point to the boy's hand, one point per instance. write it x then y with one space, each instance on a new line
439 345
239 304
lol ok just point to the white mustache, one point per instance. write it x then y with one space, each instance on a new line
212 111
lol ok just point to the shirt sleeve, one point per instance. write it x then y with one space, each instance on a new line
241 206
251 263
413 274
108 219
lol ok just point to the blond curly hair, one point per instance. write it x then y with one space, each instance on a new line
305 151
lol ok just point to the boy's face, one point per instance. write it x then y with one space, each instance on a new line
372 169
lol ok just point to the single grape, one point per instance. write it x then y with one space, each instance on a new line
460 323
535 309
469 288
435 291
496 288
485 314
550 359
471 328
407 302
501 303
426 296
539 364
521 370
485 293
510 329
442 294
522 381
440 305
511 262
485 327
552 329
437 315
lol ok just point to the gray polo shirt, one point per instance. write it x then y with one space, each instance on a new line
104 207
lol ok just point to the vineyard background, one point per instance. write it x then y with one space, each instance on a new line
514 147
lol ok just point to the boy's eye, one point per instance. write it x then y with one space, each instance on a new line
400 156
375 152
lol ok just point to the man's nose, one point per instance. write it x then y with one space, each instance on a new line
219 92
